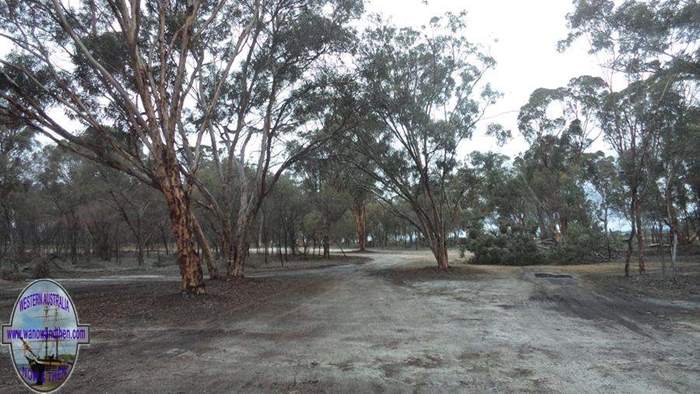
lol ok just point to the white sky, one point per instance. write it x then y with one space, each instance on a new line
522 36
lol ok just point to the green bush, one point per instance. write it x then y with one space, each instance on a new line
581 245
505 249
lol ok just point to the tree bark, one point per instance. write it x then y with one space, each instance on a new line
628 253
361 227
563 227
640 235
674 249
192 281
439 248
236 262
672 221
660 248
633 230
326 246
607 233
74 245
206 249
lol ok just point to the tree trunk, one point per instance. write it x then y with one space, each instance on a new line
165 241
74 246
674 250
285 235
117 241
607 234
563 227
672 221
360 214
660 241
640 235
236 262
206 249
247 212
261 230
628 253
192 281
439 248
139 250
326 246
266 252
293 241
544 233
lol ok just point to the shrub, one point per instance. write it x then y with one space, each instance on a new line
505 249
582 245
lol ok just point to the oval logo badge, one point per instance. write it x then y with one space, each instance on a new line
44 335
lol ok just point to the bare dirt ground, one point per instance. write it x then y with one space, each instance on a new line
392 324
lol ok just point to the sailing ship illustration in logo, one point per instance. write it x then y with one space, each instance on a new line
44 336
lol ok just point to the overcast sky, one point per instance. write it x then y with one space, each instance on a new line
522 36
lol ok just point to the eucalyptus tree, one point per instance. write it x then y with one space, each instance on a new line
658 38
17 144
692 173
355 182
326 184
558 124
677 156
500 200
655 46
383 224
425 93
603 175
56 174
634 121
280 102
128 71
137 205
283 215
359 186
552 112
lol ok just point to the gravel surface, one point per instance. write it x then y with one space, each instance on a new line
392 324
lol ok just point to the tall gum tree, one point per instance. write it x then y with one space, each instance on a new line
652 44
283 91
633 121
676 157
558 124
425 93
127 70
645 37
353 181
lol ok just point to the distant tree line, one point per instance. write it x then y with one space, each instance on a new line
275 123
56 203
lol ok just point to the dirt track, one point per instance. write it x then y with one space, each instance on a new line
386 325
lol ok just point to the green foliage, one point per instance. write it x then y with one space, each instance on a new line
582 245
424 91
658 37
512 248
